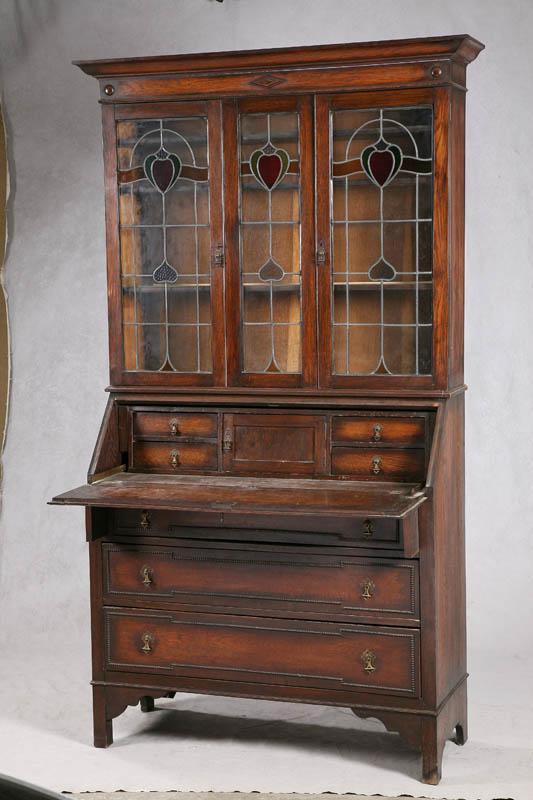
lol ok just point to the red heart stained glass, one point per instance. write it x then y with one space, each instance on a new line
269 165
162 170
381 165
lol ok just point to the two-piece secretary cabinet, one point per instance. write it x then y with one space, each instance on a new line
275 505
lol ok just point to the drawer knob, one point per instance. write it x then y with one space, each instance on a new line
376 433
173 425
146 575
367 589
368 660
174 459
368 528
147 642
145 520
376 465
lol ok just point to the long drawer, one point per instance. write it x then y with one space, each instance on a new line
261 580
376 533
263 650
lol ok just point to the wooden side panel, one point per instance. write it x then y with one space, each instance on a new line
449 553
457 238
106 456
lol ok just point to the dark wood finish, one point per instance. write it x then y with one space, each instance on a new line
303 536
274 444
309 586
378 464
174 457
379 431
304 654
172 427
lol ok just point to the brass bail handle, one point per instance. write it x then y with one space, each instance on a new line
173 425
147 641
367 589
377 432
174 462
368 528
376 465
145 520
368 660
146 575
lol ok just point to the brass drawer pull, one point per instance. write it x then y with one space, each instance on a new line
367 589
173 425
145 520
368 660
174 462
321 253
368 528
376 465
146 575
378 430
147 641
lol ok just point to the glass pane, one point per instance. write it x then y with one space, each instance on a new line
165 244
382 240
269 233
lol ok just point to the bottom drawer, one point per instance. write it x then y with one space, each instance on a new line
264 650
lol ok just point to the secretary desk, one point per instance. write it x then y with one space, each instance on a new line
275 504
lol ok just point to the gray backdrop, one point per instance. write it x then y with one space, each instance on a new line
55 276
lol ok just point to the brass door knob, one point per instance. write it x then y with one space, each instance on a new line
147 642
376 465
147 575
368 660
174 462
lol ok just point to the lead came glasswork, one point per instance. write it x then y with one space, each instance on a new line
163 177
381 212
269 224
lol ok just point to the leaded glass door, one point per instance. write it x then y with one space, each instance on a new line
378 197
270 276
168 318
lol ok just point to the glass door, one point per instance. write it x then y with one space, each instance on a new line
169 321
269 234
376 188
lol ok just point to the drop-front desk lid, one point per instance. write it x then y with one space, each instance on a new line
247 495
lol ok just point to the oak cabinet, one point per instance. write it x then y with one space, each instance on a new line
275 504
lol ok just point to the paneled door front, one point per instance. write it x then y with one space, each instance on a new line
270 264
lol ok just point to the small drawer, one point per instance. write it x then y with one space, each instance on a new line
264 650
174 457
260 581
406 431
379 464
166 425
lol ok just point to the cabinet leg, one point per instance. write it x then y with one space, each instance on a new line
432 751
147 704
103 726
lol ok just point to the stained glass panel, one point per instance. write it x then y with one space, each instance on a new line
269 217
382 240
165 244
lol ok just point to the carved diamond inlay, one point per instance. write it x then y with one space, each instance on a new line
267 81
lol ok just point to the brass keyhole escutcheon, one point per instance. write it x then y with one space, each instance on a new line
147 575
145 520
367 589
174 462
377 432
227 444
376 465
173 425
147 642
368 660
368 528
